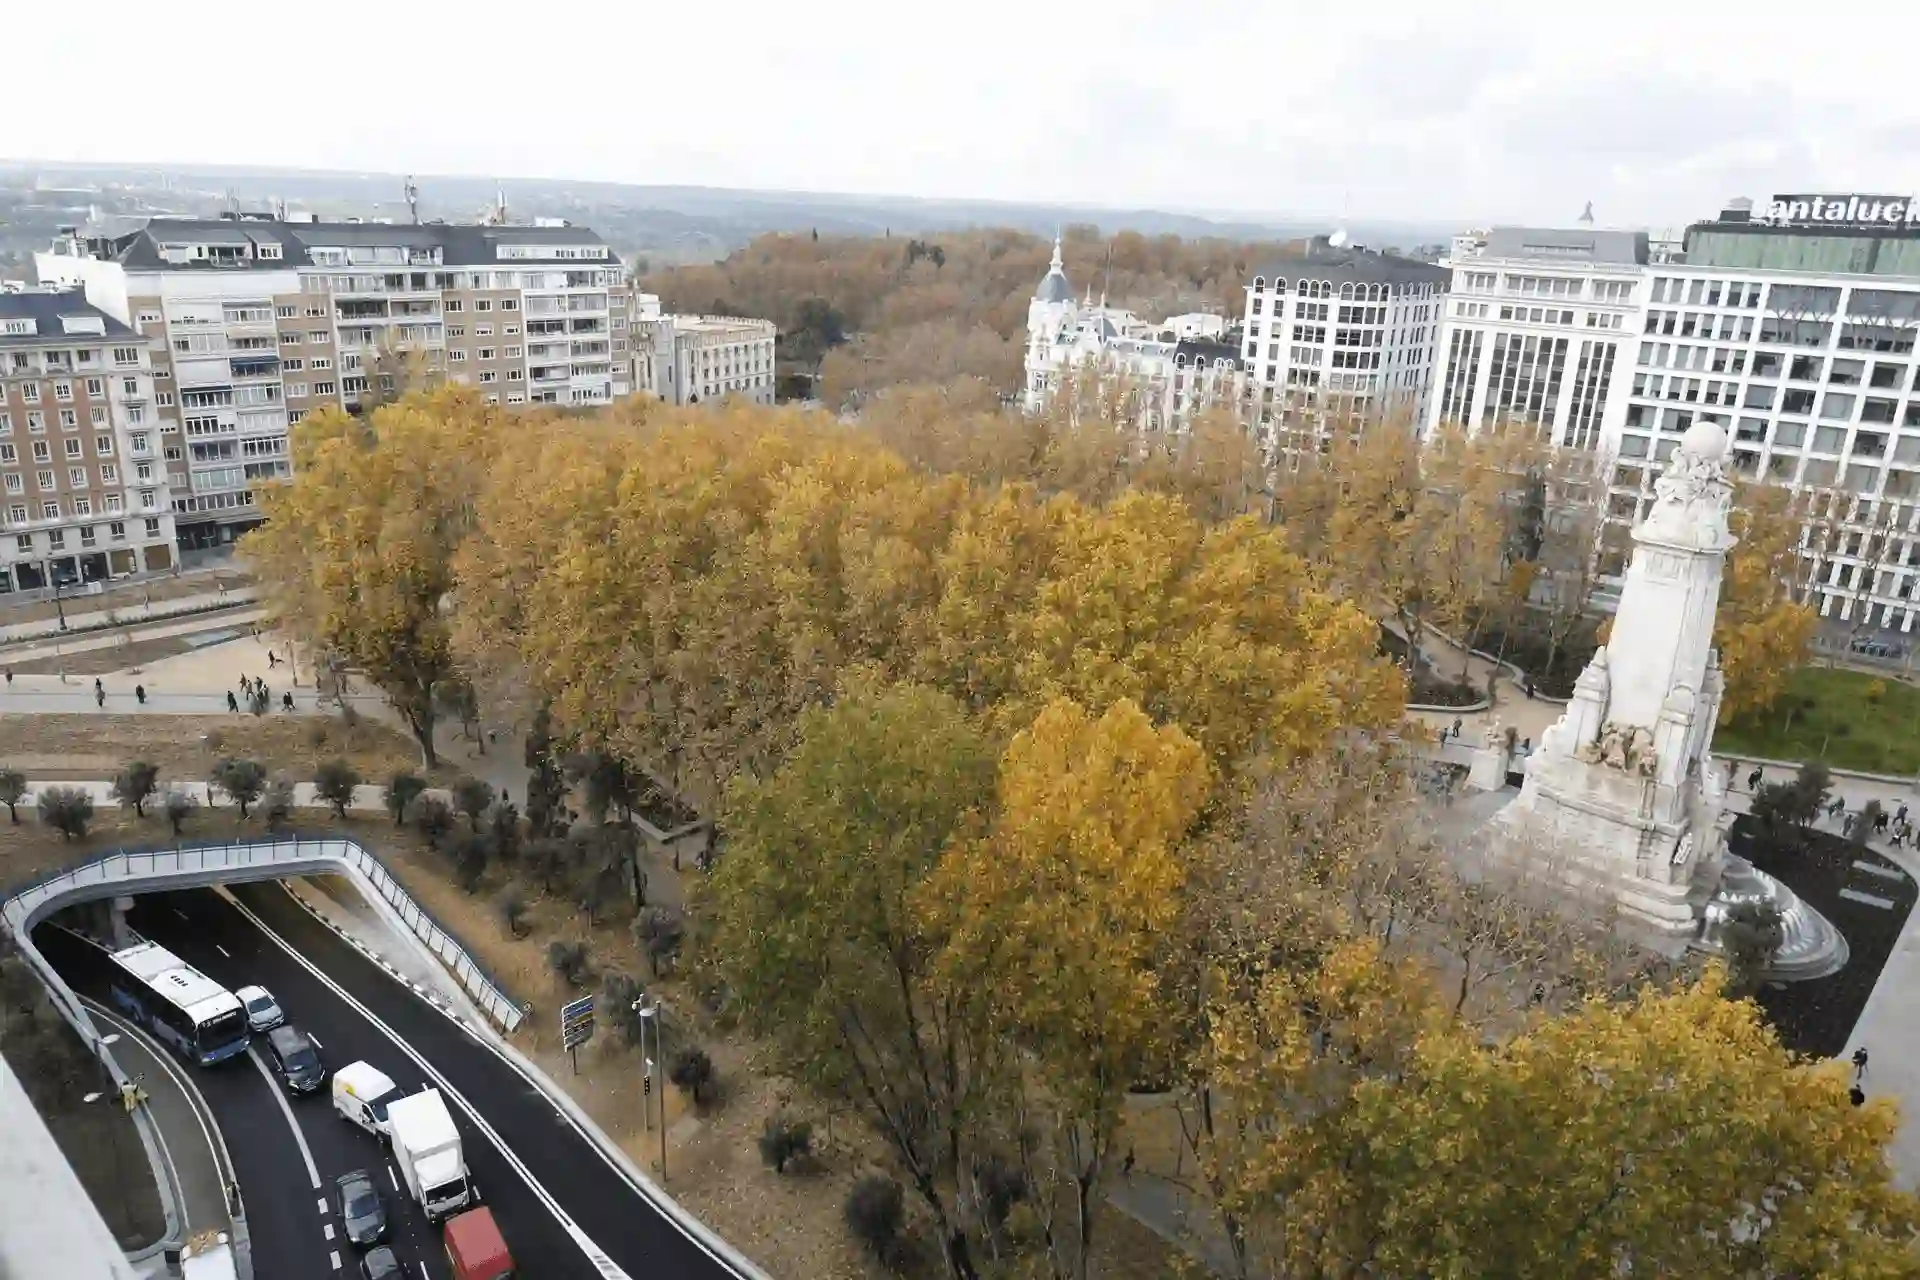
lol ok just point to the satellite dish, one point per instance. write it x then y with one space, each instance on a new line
1339 238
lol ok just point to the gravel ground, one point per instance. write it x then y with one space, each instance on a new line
71 746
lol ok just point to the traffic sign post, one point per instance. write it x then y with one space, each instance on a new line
576 1027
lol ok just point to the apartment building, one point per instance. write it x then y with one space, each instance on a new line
1339 328
699 359
1538 322
82 486
256 321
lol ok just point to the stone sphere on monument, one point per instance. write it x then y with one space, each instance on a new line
1706 440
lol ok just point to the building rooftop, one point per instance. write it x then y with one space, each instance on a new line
1206 351
460 244
57 316
1580 246
1351 264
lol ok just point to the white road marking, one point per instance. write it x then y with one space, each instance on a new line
177 911
390 1178
316 1040
334 1257
423 1272
196 1101
595 1254
323 1206
279 1096
328 1228
223 951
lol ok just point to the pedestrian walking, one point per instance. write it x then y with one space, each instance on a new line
9 677
99 695
1846 826
97 686
1526 686
286 701
140 694
233 703
273 659
1857 1096
1900 814
1753 779
1880 823
1126 1166
1456 728
1838 807
1860 1063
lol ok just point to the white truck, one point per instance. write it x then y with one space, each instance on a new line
361 1093
426 1146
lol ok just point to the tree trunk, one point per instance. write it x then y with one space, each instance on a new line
421 726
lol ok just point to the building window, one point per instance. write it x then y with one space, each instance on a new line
69 419
109 474
319 335
488 375
152 525
324 388
63 391
485 353
117 530
42 452
96 388
482 304
285 312
76 477
73 446
97 416
454 305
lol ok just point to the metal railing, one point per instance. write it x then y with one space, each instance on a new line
214 862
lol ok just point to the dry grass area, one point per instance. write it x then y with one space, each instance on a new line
110 658
66 747
29 851
130 598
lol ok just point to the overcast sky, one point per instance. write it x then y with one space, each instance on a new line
1433 112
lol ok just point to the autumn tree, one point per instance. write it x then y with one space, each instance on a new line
357 550
816 929
135 784
1763 628
1055 924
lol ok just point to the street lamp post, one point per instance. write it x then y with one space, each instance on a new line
650 1016
119 1169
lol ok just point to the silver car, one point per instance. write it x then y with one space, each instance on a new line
263 1011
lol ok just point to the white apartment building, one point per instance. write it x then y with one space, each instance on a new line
1795 327
258 320
1170 371
1538 324
81 483
700 359
1340 327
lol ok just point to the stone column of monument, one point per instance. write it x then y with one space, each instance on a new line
1621 796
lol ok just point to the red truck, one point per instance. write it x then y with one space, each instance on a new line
475 1248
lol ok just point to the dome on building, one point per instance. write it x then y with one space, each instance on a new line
1053 286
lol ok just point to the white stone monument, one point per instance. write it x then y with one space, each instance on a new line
1622 795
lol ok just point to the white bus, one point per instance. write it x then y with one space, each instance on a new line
200 1019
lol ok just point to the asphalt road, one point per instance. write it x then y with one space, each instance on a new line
283 1206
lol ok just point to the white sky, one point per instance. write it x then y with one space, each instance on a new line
1428 111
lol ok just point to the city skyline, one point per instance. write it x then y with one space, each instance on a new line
1266 115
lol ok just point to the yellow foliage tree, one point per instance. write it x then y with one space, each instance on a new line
1055 925
357 551
1763 629
1670 1134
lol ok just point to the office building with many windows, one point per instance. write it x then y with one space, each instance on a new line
699 359
1795 327
256 321
82 486
1538 324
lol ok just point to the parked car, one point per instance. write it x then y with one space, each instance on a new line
362 1214
296 1059
379 1264
263 1011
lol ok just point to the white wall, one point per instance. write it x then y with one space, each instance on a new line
105 282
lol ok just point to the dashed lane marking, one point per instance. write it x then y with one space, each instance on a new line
390 1178
323 1206
316 1040
223 951
328 1228
334 1258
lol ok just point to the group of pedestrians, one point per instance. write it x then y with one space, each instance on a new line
100 692
259 697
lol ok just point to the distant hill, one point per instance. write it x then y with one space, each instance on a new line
662 223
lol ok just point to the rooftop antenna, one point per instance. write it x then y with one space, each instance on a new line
413 200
